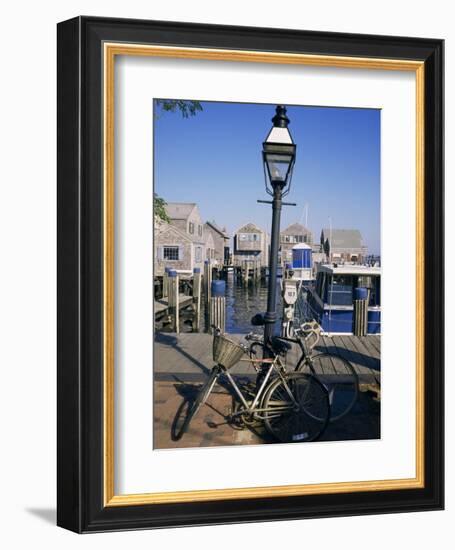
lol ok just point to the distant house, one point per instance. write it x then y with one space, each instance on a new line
346 245
221 241
251 243
296 233
180 244
210 251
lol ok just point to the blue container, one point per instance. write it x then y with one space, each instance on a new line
218 288
302 256
360 293
172 273
196 270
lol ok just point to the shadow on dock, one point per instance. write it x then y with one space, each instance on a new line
189 392
173 342
354 357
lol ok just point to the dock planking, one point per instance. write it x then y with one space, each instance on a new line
162 306
188 356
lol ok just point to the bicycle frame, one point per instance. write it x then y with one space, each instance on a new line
253 407
305 356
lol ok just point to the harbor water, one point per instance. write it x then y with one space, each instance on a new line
244 301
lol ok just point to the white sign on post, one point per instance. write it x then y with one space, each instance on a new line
290 292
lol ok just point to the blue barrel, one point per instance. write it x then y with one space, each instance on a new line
360 293
302 256
218 288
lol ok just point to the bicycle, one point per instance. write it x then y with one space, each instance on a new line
294 407
342 387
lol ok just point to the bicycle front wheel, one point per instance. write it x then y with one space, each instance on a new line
341 381
296 408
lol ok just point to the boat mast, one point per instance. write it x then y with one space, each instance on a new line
330 238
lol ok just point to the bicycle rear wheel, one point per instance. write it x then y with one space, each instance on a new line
296 408
340 379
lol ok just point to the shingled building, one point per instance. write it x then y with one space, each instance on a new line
346 245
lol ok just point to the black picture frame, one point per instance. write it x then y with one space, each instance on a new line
81 504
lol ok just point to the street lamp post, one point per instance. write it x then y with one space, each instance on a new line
278 153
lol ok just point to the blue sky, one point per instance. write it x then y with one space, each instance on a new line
214 159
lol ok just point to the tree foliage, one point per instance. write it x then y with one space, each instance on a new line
327 248
159 208
186 108
321 241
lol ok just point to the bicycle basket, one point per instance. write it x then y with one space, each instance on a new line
226 352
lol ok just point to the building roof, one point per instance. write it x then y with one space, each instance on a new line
343 238
249 228
179 210
216 228
296 229
209 242
167 227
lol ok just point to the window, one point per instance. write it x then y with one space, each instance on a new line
198 254
191 228
171 253
320 285
340 290
249 237
200 231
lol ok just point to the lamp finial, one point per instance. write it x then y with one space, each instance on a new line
280 120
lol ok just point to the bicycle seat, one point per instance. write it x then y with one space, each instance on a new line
279 345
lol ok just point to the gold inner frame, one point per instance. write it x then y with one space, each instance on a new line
109 52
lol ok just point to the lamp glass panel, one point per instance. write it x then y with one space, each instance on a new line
278 166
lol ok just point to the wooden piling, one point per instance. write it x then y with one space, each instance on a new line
361 299
197 298
360 317
165 282
173 300
207 280
247 272
207 290
217 315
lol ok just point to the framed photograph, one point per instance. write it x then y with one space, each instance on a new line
250 274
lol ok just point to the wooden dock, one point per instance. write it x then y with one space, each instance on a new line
188 356
162 306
